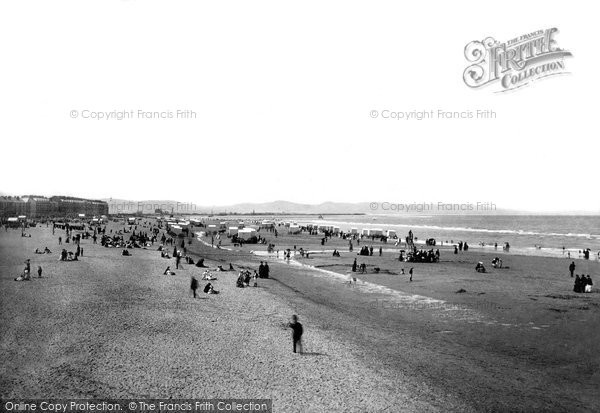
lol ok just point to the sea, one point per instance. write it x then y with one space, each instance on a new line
540 235
544 235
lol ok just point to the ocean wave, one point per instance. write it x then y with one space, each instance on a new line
361 225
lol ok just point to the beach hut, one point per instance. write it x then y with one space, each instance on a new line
81 216
13 222
76 226
391 233
176 229
232 231
376 232
267 224
246 234
294 229
366 232
131 220
354 231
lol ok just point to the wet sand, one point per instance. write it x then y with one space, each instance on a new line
517 339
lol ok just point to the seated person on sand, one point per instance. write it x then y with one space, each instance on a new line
479 267
23 277
206 275
200 262
220 268
497 262
37 251
208 289
168 271
47 251
126 253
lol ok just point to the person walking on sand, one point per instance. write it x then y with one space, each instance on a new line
411 273
39 271
59 240
194 285
354 265
297 331
572 268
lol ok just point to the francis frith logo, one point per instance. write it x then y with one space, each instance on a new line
516 62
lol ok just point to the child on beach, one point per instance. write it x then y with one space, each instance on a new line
297 331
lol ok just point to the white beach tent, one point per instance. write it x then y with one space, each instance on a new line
246 233
376 232
232 231
354 230
366 231
294 229
391 233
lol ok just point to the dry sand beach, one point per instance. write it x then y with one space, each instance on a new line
517 339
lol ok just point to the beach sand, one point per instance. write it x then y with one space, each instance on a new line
518 339
114 326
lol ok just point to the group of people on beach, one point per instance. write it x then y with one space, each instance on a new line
26 274
583 284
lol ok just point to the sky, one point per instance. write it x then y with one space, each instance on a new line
283 94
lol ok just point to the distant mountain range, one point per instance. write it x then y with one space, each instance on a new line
285 207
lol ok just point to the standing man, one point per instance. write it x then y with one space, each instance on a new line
411 273
194 285
296 333
261 270
177 261
572 268
266 269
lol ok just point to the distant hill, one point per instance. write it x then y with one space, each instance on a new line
285 207
296 208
